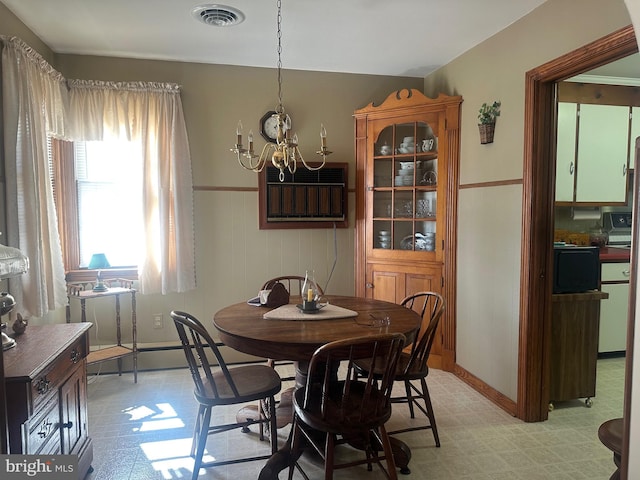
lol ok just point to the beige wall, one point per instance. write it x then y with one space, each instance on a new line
11 26
233 256
489 229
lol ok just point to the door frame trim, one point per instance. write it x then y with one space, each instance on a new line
538 214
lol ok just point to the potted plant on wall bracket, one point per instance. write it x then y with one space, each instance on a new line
487 121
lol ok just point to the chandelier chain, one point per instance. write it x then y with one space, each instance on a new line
282 151
280 108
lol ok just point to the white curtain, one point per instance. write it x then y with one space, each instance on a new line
34 101
150 113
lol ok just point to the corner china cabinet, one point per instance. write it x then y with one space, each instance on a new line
407 153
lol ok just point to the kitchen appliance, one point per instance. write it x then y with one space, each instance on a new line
575 269
618 225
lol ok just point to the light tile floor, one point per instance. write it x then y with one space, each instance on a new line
143 432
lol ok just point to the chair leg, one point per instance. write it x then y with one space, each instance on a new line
432 418
263 413
410 399
329 449
388 454
202 440
196 431
273 426
295 436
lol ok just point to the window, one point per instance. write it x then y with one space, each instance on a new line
108 181
98 198
151 114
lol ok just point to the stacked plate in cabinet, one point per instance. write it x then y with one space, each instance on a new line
384 239
405 174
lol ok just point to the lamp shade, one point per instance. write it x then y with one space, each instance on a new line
99 260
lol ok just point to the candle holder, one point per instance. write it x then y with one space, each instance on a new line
309 305
310 291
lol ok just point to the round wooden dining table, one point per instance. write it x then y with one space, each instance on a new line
242 327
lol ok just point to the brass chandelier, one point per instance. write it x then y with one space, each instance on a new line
284 152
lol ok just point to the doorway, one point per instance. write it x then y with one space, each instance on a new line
538 214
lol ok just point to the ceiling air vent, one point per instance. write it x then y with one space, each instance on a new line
218 15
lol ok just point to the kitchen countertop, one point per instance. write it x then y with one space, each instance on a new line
612 254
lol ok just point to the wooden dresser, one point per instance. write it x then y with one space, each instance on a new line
46 382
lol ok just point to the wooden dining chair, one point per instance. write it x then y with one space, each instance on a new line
412 365
224 386
351 409
293 284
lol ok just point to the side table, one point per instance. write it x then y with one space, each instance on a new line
84 292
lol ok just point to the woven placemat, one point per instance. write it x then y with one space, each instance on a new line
291 312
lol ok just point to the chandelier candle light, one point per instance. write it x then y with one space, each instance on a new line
284 152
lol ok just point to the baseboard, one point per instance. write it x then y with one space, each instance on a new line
164 355
491 393
620 354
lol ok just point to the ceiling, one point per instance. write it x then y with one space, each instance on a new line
398 38
624 69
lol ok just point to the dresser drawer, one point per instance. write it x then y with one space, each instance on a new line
43 429
50 379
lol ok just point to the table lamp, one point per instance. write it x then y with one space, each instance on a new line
99 261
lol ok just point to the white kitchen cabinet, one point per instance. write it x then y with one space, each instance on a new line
592 154
602 154
614 310
566 151
635 133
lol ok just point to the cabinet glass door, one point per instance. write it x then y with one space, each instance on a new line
405 181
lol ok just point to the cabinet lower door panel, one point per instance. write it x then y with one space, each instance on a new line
613 318
73 412
392 283
387 286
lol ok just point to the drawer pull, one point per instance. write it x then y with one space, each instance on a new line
75 356
626 273
45 428
43 386
67 425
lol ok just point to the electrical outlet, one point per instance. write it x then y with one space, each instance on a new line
157 321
